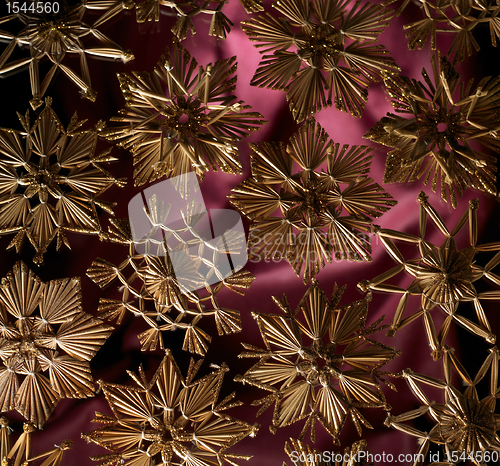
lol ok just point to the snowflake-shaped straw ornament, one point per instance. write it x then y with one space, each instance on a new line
437 129
54 35
458 18
151 289
307 216
465 425
51 180
322 53
21 451
443 276
170 420
44 330
319 363
182 118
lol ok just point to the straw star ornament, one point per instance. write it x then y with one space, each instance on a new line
182 118
46 343
220 24
443 276
465 425
54 35
50 181
171 420
319 363
309 215
302 454
151 289
322 53
437 128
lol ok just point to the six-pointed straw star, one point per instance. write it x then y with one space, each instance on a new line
307 216
319 363
151 290
321 53
43 329
465 425
21 451
220 25
55 36
170 419
192 124
51 180
443 276
437 129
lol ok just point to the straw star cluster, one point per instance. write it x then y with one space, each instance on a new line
321 370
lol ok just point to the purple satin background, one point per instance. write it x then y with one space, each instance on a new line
122 351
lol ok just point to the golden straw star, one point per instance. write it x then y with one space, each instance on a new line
308 215
182 118
51 181
434 130
46 343
320 53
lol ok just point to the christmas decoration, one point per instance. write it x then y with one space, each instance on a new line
220 25
171 419
447 119
444 276
39 321
322 213
465 425
307 200
193 124
51 180
53 31
319 363
322 53
152 284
